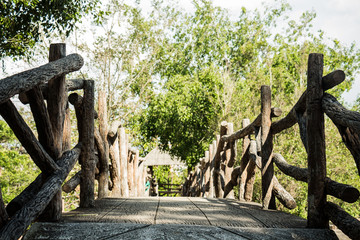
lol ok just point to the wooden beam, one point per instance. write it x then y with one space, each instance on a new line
316 143
32 209
329 81
267 170
217 160
344 221
26 137
342 191
27 80
347 123
244 162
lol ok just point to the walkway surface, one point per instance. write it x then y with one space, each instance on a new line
176 218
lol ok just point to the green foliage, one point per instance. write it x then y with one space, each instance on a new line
22 21
17 169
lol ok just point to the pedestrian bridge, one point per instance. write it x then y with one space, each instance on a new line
176 218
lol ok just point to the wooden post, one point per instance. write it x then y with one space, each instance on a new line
230 160
212 149
136 173
103 130
316 144
115 166
87 198
3 213
124 187
267 171
207 174
56 106
244 165
130 168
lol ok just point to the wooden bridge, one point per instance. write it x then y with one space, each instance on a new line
209 210
176 218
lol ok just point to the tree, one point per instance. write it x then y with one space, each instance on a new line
23 21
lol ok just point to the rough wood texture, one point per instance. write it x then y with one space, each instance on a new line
87 197
316 143
217 161
42 119
329 81
114 128
26 80
244 162
136 173
124 186
275 112
115 166
56 106
32 209
344 221
206 174
26 137
72 183
230 161
71 85
233 181
104 160
344 192
267 170
212 150
348 124
282 195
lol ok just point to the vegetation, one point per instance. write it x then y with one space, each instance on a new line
172 76
23 21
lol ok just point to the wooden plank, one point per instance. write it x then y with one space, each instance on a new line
267 170
316 143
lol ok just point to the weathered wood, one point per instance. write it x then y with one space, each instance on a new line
131 173
136 173
244 162
212 150
344 221
71 85
342 191
233 181
56 106
26 137
76 100
206 174
67 130
104 160
41 118
217 161
347 123
267 171
275 112
115 166
329 81
230 160
72 183
32 209
124 187
87 197
26 80
316 143
301 119
282 195
114 128
3 213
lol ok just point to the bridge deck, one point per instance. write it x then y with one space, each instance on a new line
176 218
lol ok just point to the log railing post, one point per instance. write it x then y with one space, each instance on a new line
124 187
103 130
230 160
267 171
212 150
316 144
56 106
87 157
244 165
206 174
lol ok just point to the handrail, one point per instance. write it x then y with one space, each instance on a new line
308 113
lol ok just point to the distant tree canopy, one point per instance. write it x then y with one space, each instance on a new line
23 21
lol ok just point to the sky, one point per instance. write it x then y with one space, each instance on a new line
339 19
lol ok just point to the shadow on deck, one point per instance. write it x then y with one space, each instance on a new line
176 218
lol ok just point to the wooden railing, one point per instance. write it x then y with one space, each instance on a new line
215 175
50 151
169 189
